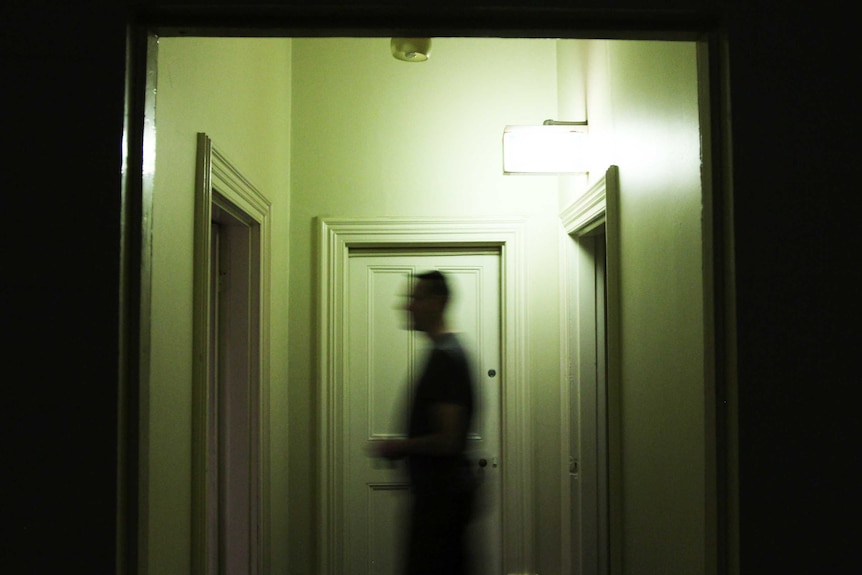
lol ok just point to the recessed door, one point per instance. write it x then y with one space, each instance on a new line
384 361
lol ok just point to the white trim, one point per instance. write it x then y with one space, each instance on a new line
566 448
337 236
598 205
613 332
216 172
587 210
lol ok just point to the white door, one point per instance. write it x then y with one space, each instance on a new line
384 361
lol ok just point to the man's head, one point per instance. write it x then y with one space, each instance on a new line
428 301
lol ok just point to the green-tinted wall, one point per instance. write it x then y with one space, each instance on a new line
641 99
337 127
374 137
654 102
238 93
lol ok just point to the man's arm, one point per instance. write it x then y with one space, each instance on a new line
449 422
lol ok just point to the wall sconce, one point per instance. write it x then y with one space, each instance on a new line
554 148
411 49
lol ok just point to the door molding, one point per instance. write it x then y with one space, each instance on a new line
336 237
219 182
600 205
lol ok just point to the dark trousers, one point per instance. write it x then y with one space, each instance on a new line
437 543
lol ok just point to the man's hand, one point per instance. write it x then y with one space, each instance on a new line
449 422
388 448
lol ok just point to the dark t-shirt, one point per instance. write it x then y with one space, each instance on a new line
446 379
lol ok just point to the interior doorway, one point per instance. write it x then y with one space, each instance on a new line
230 379
525 551
484 257
233 443
592 391
588 410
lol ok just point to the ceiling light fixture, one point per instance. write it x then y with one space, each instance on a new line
411 49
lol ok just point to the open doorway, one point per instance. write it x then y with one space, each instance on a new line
588 412
369 148
593 421
230 375
233 448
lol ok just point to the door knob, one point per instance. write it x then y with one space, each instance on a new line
483 462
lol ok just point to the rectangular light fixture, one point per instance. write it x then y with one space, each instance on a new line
554 148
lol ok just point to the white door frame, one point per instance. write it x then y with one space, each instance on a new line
219 182
598 205
337 236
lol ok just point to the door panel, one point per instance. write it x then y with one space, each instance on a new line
384 361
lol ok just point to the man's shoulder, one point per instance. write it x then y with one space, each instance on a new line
449 344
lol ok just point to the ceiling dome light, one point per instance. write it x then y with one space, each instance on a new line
411 49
